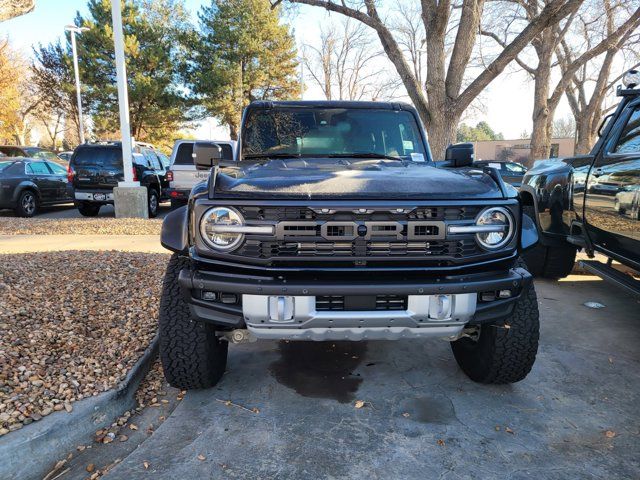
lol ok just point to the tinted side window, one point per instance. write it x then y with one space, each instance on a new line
184 155
57 169
98 156
38 168
629 141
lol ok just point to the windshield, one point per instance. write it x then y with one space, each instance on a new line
41 154
322 132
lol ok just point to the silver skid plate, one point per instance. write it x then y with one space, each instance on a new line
296 317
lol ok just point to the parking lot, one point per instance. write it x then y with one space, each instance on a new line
574 416
69 211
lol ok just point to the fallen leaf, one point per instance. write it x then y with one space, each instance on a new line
610 360
201 457
255 410
405 415
80 448
123 438
90 468
610 434
441 442
508 430
145 465
359 403
133 426
497 428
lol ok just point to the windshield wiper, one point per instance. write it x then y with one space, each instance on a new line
272 155
365 155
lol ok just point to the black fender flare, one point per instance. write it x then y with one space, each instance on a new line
25 184
529 233
174 235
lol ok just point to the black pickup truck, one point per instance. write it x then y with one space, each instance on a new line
334 223
591 202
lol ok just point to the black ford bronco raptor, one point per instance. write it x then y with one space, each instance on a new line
334 223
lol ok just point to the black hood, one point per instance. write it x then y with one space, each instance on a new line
341 178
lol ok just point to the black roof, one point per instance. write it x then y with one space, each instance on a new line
332 104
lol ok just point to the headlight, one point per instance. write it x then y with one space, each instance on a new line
502 222
217 228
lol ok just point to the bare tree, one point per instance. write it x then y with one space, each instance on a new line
345 65
555 46
563 128
446 92
594 83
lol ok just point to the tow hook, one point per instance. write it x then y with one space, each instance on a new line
239 336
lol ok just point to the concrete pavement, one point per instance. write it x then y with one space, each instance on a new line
574 416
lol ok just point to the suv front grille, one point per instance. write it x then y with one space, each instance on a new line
359 234
268 249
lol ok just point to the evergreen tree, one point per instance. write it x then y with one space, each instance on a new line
242 53
154 50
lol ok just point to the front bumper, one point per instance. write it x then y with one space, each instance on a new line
258 298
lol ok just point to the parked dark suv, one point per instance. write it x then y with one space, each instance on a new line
94 169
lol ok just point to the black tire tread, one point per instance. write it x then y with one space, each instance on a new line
192 356
88 209
506 351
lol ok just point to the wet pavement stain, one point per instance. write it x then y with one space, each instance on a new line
320 369
437 409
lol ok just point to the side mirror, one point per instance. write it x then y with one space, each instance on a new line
206 155
460 155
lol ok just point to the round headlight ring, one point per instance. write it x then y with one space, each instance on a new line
487 213
222 216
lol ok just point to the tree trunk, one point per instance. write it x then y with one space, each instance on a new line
233 130
442 131
542 117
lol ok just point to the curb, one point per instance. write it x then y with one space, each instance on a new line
32 451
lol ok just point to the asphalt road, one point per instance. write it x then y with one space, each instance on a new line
574 416
69 211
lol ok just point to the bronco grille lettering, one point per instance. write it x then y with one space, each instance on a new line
348 231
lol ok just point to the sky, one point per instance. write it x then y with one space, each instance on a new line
507 102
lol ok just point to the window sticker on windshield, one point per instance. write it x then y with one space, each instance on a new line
494 165
407 144
417 157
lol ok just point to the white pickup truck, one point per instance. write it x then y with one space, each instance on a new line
182 174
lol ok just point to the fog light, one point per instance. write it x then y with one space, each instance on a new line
228 298
504 294
440 307
488 296
209 296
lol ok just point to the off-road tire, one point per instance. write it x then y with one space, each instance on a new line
191 354
505 351
89 209
153 203
27 204
552 262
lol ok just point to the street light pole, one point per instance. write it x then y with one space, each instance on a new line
129 198
123 95
73 30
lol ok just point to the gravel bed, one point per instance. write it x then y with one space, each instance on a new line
80 226
72 324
